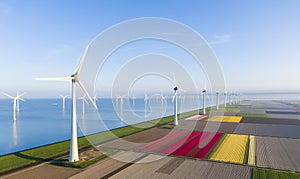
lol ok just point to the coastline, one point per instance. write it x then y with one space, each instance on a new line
30 157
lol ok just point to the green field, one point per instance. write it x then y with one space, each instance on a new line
259 173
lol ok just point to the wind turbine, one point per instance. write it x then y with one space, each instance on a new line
230 98
83 101
95 98
121 106
63 101
217 100
133 100
75 79
162 99
146 101
18 102
174 100
225 95
117 100
204 100
15 100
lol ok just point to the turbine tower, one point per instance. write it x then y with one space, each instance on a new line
133 100
225 95
74 79
16 101
83 100
63 101
146 101
95 98
204 100
230 98
174 100
121 106
217 100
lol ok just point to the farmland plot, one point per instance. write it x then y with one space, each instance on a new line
288 131
278 153
232 149
252 150
225 119
207 169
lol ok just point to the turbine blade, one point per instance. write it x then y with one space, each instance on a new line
21 99
19 96
77 71
55 79
8 95
87 94
174 80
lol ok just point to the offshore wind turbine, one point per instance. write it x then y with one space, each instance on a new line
146 101
95 98
83 100
74 79
18 102
63 101
117 100
133 100
15 102
121 106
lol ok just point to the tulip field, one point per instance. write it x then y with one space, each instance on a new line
225 119
232 149
215 146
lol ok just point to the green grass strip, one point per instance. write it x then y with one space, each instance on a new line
259 173
232 110
216 146
253 115
246 154
81 163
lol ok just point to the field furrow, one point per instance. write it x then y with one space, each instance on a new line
278 153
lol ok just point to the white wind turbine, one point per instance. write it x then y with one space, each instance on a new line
75 78
63 101
146 101
133 100
95 98
225 100
204 101
174 100
18 102
15 101
121 106
217 100
117 100
83 100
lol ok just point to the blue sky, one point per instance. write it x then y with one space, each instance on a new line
256 42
